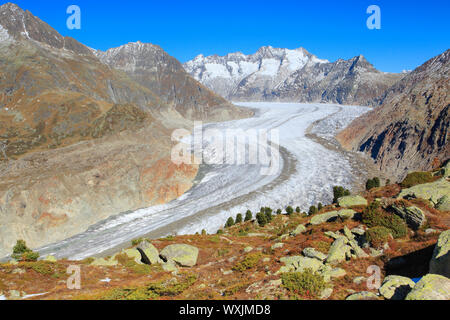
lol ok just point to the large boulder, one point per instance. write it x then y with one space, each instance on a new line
440 262
299 264
347 214
182 254
149 254
396 287
414 217
437 192
324 217
352 201
299 230
431 287
339 251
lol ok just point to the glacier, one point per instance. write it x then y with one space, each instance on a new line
307 173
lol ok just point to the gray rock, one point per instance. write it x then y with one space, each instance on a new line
313 253
414 217
440 262
299 230
338 251
396 287
348 233
299 264
359 253
365 295
324 217
326 293
431 287
359 280
182 254
277 246
352 201
149 254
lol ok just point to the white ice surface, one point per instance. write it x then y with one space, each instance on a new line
227 190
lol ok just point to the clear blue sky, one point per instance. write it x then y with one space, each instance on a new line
412 31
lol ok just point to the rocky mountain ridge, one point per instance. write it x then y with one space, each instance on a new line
409 131
274 74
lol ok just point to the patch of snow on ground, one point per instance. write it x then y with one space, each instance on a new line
3 34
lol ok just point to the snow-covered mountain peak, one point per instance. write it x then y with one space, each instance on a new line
268 67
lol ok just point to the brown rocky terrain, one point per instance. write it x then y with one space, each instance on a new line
409 131
80 140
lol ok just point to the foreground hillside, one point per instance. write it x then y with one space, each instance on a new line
402 229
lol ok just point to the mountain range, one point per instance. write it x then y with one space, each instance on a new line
274 74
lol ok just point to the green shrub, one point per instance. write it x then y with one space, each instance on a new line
248 216
230 222
30 256
373 183
416 178
22 252
137 241
268 213
153 290
262 219
339 192
298 210
249 262
239 218
373 216
377 236
204 233
220 231
279 211
304 283
312 210
289 210
320 206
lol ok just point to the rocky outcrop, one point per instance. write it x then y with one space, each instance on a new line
182 254
396 287
414 217
339 251
332 215
149 253
437 192
352 201
431 287
274 74
440 263
409 131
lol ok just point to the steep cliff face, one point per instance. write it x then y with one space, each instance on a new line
409 131
274 74
81 141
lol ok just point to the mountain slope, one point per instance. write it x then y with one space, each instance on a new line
274 74
153 68
81 141
410 130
